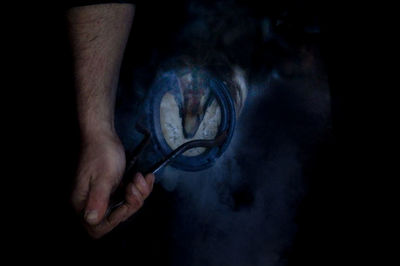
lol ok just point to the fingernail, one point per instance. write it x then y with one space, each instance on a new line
91 217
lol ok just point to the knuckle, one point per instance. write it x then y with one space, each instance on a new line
110 177
77 200
115 218
142 186
136 202
111 223
110 169
139 202
145 191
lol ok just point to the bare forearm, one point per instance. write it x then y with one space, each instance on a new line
98 35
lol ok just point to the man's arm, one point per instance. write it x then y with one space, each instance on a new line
98 35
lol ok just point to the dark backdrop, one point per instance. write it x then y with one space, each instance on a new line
329 229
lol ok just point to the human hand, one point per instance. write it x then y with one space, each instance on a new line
100 170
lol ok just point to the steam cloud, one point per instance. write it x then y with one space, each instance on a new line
242 210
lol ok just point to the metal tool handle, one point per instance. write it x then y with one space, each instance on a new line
206 143
119 196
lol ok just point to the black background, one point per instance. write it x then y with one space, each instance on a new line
332 219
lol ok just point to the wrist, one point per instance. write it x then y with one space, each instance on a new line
95 120
97 132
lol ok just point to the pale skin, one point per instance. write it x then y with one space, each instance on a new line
98 36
